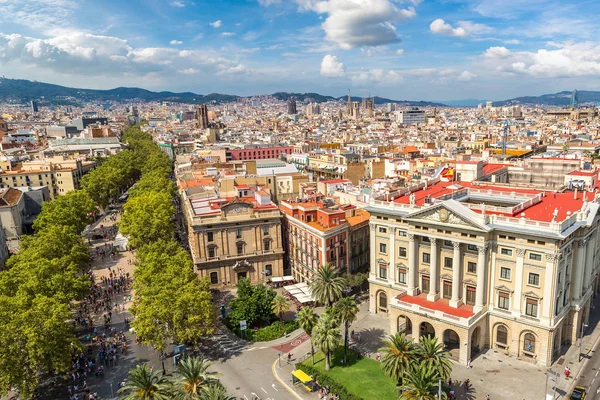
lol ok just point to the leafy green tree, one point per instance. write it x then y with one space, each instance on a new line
420 382
326 337
144 384
357 280
74 210
280 306
147 218
327 286
253 304
154 181
171 300
191 378
307 318
346 310
432 353
398 354
215 391
35 337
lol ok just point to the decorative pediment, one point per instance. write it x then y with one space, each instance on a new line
503 288
469 282
424 271
236 206
242 265
446 276
532 295
382 261
401 265
451 213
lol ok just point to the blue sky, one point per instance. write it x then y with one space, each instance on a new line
402 49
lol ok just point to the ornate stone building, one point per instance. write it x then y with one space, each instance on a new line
235 238
486 267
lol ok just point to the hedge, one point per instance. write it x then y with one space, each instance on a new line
324 380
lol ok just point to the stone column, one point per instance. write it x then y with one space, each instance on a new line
589 264
492 278
481 273
578 270
412 264
392 259
434 271
373 251
549 295
456 277
517 299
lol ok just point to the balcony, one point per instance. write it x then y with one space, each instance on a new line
223 257
463 316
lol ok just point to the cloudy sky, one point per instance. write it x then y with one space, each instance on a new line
402 49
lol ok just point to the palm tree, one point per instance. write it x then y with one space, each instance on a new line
346 309
420 383
215 391
307 318
432 353
327 286
326 336
144 384
280 306
398 355
191 376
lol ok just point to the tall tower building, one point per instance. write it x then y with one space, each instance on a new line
292 106
369 104
202 116
34 106
349 105
355 109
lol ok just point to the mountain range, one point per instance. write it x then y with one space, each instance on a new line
22 91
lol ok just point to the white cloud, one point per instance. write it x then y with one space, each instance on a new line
497 52
252 50
440 27
399 52
375 76
332 68
466 76
42 15
84 54
175 42
565 61
189 71
275 47
473 28
216 24
512 41
356 23
268 2
227 34
177 3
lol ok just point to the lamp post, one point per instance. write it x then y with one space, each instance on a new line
583 326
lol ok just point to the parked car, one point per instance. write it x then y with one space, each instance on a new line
578 393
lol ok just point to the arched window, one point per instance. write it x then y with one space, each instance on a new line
382 301
502 335
529 343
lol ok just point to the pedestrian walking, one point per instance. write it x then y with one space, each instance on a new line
487 397
358 337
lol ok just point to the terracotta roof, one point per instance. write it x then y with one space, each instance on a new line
10 197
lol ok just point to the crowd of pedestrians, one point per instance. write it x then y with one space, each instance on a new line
96 315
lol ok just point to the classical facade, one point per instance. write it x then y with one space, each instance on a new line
482 267
234 238
318 233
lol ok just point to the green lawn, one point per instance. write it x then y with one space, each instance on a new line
361 377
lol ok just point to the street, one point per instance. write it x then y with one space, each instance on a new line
589 376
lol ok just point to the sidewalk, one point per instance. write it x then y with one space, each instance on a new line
572 357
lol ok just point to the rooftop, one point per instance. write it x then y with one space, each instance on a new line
443 305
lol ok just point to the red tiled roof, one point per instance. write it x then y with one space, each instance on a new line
542 211
582 173
332 181
491 168
443 305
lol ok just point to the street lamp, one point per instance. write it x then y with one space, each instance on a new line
583 326
554 377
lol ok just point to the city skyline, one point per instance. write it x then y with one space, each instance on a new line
429 50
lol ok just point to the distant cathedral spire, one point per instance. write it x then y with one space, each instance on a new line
349 106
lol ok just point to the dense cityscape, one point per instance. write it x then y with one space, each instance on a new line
328 229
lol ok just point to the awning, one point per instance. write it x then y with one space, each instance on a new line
302 376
